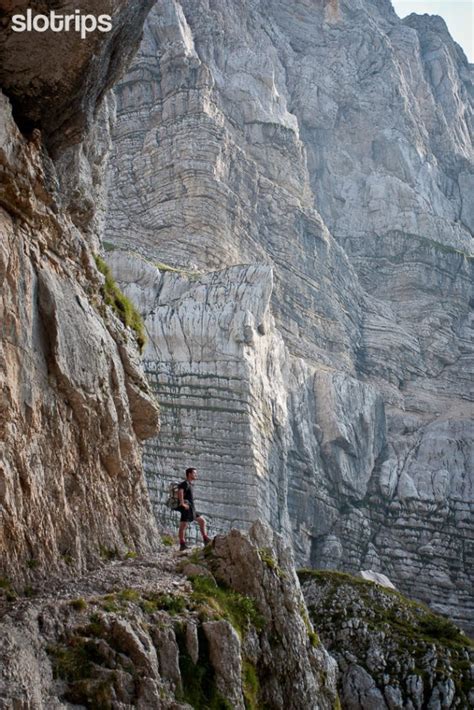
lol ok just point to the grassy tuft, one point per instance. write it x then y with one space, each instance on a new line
109 553
78 604
128 595
250 686
238 609
122 305
74 661
267 557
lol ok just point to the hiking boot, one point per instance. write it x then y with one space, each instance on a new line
182 546
207 541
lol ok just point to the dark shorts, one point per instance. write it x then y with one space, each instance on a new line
188 515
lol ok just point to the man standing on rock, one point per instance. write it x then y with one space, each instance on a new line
187 509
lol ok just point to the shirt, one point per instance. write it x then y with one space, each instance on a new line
188 492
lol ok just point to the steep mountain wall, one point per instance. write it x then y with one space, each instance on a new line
236 122
74 403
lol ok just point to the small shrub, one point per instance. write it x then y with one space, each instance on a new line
7 590
173 604
95 626
149 606
128 595
110 605
439 628
74 661
167 540
78 604
109 553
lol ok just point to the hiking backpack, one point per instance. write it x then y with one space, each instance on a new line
172 501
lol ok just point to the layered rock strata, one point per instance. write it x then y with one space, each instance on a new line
74 404
217 366
235 121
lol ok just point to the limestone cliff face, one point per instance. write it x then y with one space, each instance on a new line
328 142
74 404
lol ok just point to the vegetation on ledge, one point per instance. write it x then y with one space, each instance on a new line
121 305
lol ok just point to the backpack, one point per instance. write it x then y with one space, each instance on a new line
172 501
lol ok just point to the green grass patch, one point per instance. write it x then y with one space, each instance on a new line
250 686
78 604
75 660
312 635
109 604
167 540
7 590
109 553
238 609
121 305
166 267
267 557
128 595
172 603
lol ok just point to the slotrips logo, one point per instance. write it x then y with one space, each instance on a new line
54 22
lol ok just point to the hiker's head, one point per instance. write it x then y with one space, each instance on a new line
191 474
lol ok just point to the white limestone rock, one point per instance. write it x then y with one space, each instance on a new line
329 142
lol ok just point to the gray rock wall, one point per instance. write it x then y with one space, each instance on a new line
236 122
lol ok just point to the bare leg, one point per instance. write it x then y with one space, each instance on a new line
181 532
202 527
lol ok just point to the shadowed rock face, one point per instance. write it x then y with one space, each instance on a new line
55 80
74 405
236 122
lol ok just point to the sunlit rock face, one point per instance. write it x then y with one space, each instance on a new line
326 143
74 405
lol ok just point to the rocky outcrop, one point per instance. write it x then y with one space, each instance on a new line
138 633
74 403
56 80
391 652
236 121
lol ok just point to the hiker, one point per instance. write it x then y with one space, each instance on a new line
187 509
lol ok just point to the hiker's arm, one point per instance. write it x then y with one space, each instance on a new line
181 498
